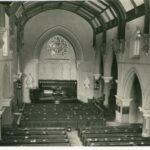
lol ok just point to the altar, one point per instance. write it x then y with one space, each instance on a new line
54 90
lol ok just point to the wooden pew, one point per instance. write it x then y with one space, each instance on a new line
34 141
131 143
86 136
37 136
115 139
35 132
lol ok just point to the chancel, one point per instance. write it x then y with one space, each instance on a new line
75 73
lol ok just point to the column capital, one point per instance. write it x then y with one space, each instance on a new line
97 76
107 79
146 112
121 101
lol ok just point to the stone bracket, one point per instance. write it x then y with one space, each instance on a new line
146 112
123 102
6 102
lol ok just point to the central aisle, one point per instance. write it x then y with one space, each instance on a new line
74 138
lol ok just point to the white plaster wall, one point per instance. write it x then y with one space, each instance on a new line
37 25
61 67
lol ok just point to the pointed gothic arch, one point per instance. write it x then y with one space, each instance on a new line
128 82
68 35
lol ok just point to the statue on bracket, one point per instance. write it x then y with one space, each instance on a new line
29 81
86 83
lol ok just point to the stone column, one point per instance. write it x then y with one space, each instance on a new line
1 112
122 109
2 31
2 24
146 122
101 86
107 85
7 118
2 15
0 125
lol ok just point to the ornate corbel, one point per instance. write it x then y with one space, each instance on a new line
118 46
146 46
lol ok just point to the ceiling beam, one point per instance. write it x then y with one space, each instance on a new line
121 17
78 7
96 14
135 6
60 4
130 16
24 10
99 7
147 17
102 3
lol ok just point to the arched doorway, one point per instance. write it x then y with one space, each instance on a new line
113 88
135 116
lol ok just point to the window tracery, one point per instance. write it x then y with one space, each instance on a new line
57 45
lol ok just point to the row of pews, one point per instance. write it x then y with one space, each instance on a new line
35 137
113 136
72 115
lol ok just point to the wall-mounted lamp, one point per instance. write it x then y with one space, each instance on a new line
97 78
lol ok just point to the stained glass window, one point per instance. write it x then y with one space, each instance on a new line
57 45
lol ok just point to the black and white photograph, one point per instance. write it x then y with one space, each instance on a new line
75 73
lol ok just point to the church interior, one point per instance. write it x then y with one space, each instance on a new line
75 73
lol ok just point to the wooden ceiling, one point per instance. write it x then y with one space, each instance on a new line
100 14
